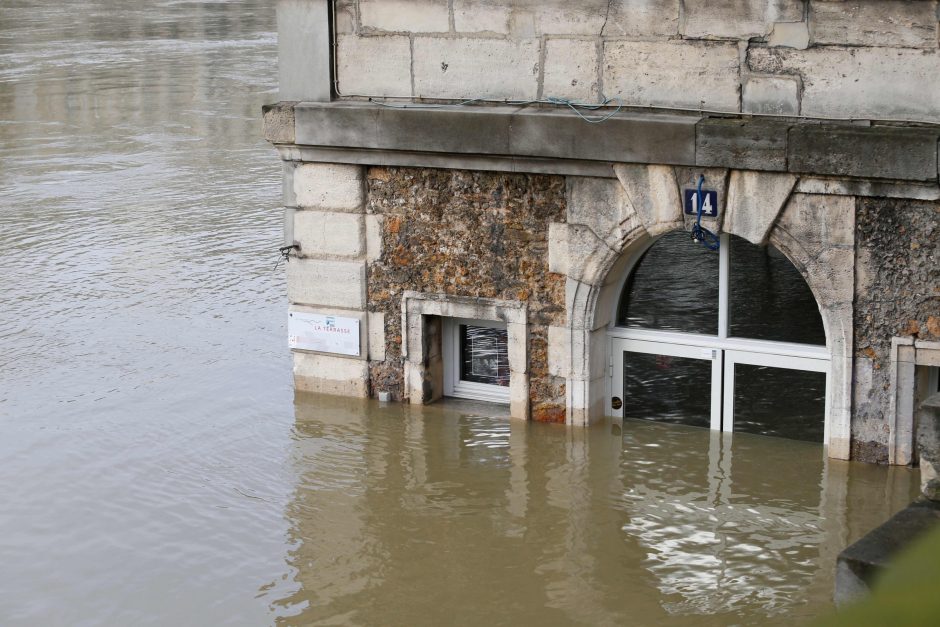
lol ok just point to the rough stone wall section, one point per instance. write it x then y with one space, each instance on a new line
474 234
897 294
811 57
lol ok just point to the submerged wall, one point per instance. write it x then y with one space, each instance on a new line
467 234
406 212
897 294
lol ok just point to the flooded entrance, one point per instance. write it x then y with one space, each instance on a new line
157 469
449 514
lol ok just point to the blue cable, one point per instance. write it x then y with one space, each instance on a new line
699 233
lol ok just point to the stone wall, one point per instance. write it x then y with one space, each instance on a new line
812 57
897 294
474 234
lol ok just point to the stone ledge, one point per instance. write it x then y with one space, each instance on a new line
487 136
859 564
870 152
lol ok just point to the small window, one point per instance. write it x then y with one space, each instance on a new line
476 360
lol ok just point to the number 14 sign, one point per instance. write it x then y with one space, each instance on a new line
709 203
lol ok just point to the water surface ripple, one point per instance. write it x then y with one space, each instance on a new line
156 467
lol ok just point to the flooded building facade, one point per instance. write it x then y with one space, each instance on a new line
460 223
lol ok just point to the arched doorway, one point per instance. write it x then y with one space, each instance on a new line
731 339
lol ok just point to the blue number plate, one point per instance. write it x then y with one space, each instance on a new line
709 203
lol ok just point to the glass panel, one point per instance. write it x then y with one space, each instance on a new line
667 389
484 355
769 298
674 287
780 402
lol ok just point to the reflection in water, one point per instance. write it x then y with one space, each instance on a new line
446 514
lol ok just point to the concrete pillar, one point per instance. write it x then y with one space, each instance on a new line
303 49
326 274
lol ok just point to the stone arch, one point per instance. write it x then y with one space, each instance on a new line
611 221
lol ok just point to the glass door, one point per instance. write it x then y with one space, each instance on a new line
777 395
730 339
667 382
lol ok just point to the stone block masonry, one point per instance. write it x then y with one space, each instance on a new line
468 234
784 57
326 273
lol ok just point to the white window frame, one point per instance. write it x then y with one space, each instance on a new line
722 350
456 387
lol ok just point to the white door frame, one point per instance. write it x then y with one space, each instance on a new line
722 350
620 346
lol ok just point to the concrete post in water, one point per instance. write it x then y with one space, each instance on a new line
928 447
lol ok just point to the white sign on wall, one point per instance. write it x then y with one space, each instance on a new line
328 334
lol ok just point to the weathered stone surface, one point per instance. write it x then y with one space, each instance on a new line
376 336
373 237
820 221
303 50
559 351
737 19
558 248
329 234
559 17
588 255
326 283
856 187
345 11
329 187
279 122
326 374
546 392
741 144
897 291
628 138
476 68
883 152
776 96
469 234
670 74
416 16
462 130
790 35
570 69
654 194
288 198
289 226
642 18
850 82
476 16
374 66
469 137
882 23
603 207
755 199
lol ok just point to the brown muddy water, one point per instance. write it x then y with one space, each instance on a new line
156 468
